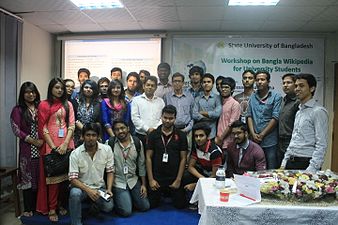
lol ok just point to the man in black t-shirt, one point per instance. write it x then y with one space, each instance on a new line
165 160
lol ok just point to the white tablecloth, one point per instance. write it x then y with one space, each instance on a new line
215 212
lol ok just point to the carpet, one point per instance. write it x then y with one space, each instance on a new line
164 215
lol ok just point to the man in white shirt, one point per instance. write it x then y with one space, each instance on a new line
86 169
146 110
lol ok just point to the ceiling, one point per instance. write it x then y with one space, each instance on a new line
62 16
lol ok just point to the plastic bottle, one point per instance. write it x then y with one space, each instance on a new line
220 178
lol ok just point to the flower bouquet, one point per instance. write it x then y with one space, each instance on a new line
298 185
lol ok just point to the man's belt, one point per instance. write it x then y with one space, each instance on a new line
299 159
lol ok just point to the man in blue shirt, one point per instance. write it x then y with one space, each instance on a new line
263 115
208 106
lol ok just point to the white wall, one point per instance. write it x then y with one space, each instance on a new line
37 57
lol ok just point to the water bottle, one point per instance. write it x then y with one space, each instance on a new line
220 178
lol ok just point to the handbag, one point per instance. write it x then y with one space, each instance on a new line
56 164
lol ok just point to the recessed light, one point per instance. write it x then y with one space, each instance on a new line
252 2
97 4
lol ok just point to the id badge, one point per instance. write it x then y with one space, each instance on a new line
61 133
165 157
125 169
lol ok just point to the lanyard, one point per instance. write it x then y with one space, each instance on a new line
125 156
166 144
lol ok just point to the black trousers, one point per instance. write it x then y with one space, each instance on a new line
178 197
29 199
297 163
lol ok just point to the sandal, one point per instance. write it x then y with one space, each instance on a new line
27 214
62 211
52 216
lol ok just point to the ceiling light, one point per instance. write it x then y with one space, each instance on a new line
252 2
97 4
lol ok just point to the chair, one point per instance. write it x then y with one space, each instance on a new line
12 171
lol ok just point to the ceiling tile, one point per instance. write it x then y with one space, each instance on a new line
120 26
54 28
200 3
246 13
247 26
160 25
133 3
154 13
329 13
108 15
201 25
37 18
36 5
200 13
84 27
277 26
294 13
320 27
67 17
305 2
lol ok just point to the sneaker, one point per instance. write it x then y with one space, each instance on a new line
193 206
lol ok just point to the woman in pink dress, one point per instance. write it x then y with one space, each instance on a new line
56 125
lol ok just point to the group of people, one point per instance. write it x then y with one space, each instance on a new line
155 137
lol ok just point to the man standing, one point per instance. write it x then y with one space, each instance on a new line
165 159
163 87
87 165
263 115
129 162
103 83
183 102
230 113
82 75
133 81
308 143
248 80
244 155
146 110
116 74
287 114
195 74
208 106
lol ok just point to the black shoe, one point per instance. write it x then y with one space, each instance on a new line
95 212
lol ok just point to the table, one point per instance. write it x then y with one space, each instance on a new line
215 212
11 171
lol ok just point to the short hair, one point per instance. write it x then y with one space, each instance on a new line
170 109
248 71
201 126
209 75
311 80
116 69
219 78
229 81
195 69
152 78
268 76
102 80
68 80
146 73
163 65
292 75
91 126
177 74
83 70
117 121
133 74
239 124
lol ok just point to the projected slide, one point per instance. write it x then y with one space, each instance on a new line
100 56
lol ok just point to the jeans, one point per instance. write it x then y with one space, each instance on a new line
271 156
76 197
125 199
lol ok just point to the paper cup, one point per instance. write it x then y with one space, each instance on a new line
224 196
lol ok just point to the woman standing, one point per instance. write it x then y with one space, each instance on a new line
87 109
114 108
56 125
25 127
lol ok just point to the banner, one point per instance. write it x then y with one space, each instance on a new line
229 57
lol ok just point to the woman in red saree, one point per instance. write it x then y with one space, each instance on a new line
56 125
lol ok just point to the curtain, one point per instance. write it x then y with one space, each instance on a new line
10 60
